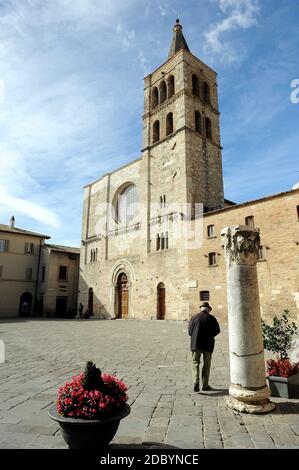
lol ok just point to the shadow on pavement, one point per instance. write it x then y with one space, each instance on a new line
46 319
216 392
286 408
146 445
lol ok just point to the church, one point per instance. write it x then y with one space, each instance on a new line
151 245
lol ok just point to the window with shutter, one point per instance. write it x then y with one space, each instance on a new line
29 248
4 244
211 231
261 253
212 259
204 295
28 274
249 221
62 273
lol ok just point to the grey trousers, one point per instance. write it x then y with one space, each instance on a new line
207 357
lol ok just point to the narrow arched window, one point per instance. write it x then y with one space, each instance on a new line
163 92
156 131
170 86
206 93
208 128
162 242
195 85
197 118
158 242
169 123
166 241
155 97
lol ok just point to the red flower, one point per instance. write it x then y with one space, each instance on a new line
281 367
74 401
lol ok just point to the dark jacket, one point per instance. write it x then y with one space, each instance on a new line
202 328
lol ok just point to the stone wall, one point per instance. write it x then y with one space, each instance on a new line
278 272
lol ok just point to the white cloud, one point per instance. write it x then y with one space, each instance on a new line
127 37
32 210
162 10
15 182
241 14
59 128
2 91
143 62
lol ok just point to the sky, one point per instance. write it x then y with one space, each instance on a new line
71 96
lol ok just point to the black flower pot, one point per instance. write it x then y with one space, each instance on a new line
88 433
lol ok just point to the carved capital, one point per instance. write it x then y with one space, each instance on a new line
241 244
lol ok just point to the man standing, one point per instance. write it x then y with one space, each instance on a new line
203 327
81 310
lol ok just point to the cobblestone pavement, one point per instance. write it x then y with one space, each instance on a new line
153 358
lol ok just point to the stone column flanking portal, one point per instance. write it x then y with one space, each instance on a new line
248 390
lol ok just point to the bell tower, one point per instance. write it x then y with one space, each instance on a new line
181 132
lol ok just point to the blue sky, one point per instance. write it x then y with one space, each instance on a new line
71 96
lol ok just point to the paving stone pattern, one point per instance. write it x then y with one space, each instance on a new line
153 358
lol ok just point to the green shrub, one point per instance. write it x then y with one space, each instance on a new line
278 337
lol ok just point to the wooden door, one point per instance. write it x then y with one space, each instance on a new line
123 296
61 307
161 307
124 303
90 301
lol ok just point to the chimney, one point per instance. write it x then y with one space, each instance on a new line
12 222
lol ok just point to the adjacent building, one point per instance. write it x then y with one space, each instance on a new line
58 281
36 279
20 254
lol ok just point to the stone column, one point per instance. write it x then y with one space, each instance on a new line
248 390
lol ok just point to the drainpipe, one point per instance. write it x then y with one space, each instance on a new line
37 276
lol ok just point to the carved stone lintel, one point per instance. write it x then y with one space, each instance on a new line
241 244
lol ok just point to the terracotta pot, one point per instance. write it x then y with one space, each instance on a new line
88 433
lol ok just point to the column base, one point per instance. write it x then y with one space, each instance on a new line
250 401
243 407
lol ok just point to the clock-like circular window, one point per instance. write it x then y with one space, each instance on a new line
127 203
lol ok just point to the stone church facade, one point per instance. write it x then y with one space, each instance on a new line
151 229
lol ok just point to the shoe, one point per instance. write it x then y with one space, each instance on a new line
208 388
196 387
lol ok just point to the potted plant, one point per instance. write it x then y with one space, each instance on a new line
283 376
89 408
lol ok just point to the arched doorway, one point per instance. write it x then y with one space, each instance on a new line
122 296
25 305
161 307
90 301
